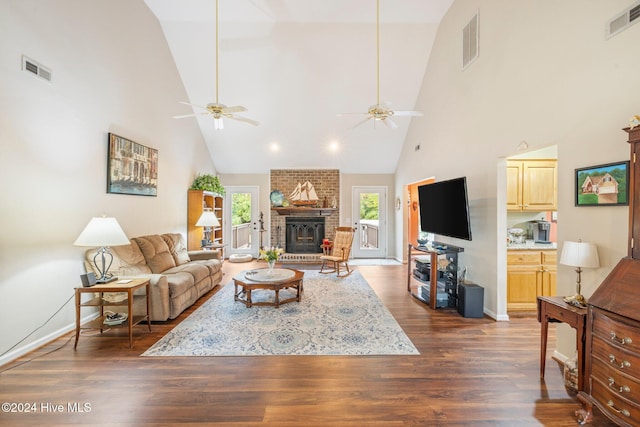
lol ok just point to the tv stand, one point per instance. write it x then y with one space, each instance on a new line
443 273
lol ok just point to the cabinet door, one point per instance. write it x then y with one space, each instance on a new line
548 281
549 273
539 185
524 279
514 185
523 287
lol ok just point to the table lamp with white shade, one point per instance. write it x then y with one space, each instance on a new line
102 232
580 255
207 220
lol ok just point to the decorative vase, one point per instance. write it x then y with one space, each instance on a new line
271 263
422 239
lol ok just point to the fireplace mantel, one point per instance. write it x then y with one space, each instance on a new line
304 211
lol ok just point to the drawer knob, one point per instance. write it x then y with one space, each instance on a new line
621 389
621 341
619 411
622 365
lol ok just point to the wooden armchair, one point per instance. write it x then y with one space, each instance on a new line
339 253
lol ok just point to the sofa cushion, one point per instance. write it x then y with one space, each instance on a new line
197 270
213 265
178 250
156 252
179 283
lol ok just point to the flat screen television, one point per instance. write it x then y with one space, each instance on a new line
444 208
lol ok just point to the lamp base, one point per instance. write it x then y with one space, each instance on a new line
576 300
106 279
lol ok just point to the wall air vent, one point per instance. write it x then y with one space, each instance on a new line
470 45
623 20
33 67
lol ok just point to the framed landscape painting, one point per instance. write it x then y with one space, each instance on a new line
603 185
132 168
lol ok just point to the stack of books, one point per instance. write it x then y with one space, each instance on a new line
113 319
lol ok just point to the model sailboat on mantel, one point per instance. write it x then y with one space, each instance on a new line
304 195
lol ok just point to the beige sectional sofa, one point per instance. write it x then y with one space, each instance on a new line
178 277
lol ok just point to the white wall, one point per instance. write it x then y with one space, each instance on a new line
112 72
545 75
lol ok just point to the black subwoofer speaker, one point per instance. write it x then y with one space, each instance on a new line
470 300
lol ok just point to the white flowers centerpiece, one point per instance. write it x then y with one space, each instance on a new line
271 255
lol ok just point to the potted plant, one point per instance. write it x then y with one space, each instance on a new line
208 182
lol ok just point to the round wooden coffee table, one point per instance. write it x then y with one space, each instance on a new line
263 278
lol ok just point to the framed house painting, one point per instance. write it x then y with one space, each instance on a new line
603 185
132 168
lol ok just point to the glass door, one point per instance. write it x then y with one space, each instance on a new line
242 220
370 221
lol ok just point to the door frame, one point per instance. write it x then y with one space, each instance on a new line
356 250
254 190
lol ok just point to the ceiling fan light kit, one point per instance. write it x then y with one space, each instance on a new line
215 109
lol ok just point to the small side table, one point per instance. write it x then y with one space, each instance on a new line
218 246
554 309
327 247
99 301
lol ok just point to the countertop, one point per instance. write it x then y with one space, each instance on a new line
532 246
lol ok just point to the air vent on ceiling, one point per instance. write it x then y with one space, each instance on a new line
624 20
33 67
470 48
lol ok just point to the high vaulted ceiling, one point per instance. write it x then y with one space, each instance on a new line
295 65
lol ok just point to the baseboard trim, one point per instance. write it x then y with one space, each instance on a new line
41 342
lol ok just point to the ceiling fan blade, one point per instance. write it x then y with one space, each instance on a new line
408 113
389 123
236 109
352 114
192 105
190 115
244 119
361 122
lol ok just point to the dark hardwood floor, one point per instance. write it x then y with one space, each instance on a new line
470 372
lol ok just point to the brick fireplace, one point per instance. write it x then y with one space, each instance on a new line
327 185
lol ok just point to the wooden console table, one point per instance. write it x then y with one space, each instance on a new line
554 309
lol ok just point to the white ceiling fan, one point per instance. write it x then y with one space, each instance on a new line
381 112
215 109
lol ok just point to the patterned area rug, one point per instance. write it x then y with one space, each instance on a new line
335 317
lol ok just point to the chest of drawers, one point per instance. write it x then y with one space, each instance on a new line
612 351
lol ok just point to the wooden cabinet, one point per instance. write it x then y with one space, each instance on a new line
634 194
532 185
612 362
530 274
612 348
199 201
